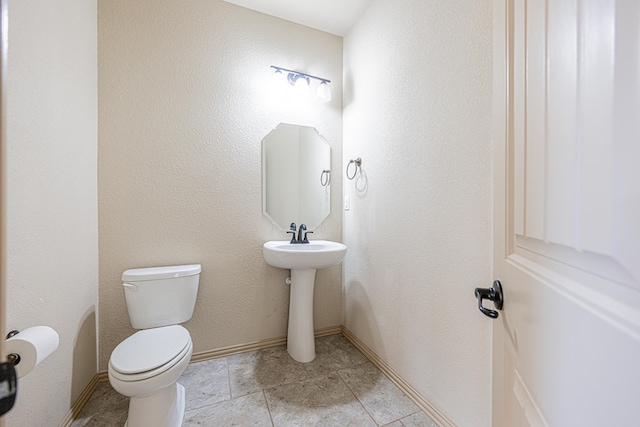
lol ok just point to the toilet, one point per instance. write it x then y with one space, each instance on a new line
146 366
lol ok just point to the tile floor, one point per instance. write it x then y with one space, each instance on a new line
268 388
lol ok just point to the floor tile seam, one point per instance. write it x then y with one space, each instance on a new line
410 415
251 391
356 398
220 402
195 408
388 394
209 404
266 402
365 361
309 377
419 411
264 389
363 405
204 405
350 366
226 359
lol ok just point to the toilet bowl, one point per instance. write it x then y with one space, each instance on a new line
146 366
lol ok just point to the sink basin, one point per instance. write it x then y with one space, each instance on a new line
315 254
302 259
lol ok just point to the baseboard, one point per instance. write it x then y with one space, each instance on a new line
257 345
103 376
420 401
81 401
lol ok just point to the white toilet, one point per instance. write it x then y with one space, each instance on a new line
146 366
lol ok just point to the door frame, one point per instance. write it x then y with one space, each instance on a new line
501 218
3 176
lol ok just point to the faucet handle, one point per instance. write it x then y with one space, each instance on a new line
293 236
306 240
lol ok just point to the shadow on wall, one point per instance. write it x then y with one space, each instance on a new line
347 94
84 365
360 320
361 183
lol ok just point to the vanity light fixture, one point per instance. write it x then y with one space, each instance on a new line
301 83
324 92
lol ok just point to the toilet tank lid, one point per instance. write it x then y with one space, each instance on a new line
155 273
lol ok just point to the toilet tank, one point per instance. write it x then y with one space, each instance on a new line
161 296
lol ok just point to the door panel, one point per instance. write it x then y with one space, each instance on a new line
567 212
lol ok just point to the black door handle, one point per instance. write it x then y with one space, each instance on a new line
8 387
494 294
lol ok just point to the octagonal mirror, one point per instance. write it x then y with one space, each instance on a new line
296 176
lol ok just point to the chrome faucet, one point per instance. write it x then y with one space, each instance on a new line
302 229
301 238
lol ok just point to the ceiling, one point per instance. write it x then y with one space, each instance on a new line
332 16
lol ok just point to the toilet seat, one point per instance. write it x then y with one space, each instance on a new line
149 352
154 372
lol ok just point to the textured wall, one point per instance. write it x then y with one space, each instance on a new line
183 106
52 261
417 110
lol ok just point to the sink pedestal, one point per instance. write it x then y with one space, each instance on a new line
302 260
301 343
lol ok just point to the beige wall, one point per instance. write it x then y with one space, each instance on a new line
52 231
183 106
417 110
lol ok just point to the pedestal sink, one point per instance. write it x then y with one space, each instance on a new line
303 260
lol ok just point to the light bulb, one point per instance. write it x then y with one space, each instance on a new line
301 88
278 79
324 92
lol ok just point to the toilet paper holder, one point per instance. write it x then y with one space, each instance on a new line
27 348
13 358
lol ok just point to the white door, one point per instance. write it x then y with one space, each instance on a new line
567 213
